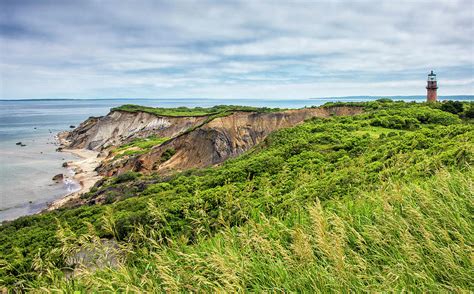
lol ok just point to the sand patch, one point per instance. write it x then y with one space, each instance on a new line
85 174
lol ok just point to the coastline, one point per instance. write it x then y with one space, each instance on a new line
84 174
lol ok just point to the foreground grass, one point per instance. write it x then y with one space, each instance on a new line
401 237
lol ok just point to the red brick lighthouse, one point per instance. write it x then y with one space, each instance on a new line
431 88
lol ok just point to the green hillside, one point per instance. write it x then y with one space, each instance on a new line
378 202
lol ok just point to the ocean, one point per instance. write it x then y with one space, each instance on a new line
26 172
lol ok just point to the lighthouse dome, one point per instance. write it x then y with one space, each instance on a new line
432 76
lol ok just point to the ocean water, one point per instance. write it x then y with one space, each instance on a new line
26 173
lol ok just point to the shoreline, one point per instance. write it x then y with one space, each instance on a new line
84 174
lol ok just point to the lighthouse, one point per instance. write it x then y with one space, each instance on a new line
431 88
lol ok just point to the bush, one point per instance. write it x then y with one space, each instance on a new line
396 122
411 118
384 100
454 107
167 154
126 177
469 113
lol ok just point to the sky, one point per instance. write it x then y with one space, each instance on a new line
234 49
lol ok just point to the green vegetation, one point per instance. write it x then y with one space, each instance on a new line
126 177
167 154
196 111
377 202
464 110
138 146
454 107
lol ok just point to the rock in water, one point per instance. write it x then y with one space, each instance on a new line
72 126
58 178
64 164
18 143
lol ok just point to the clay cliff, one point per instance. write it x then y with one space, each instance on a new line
195 142
119 127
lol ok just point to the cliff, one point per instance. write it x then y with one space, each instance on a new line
218 140
119 127
195 142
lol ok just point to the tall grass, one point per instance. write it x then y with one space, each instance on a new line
415 237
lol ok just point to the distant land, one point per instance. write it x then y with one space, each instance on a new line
403 97
453 97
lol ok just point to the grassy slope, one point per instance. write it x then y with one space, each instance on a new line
375 202
138 146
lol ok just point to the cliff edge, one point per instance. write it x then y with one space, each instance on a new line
191 141
218 140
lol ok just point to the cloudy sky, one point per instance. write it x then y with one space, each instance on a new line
233 49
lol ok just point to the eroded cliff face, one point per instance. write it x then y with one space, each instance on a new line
218 140
119 127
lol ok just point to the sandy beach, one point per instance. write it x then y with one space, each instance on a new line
84 174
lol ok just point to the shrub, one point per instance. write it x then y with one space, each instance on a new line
167 154
469 113
454 107
110 198
384 100
126 177
396 122
411 118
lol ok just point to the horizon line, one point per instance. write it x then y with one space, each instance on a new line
247 98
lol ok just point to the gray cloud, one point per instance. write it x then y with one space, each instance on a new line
272 49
